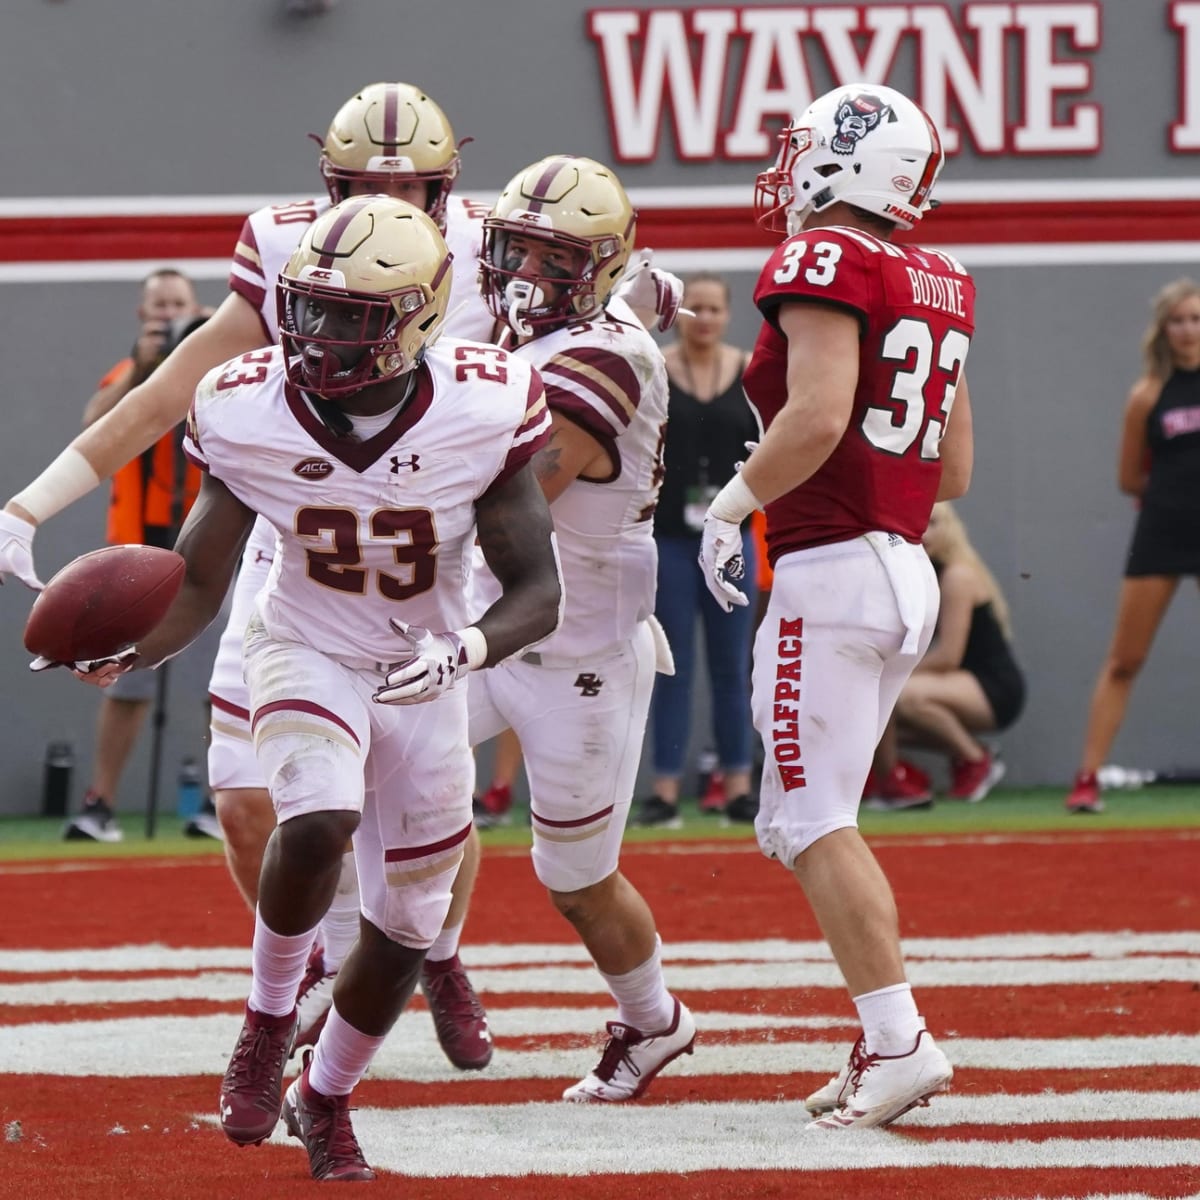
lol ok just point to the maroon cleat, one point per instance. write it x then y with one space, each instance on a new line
252 1090
322 1123
458 1017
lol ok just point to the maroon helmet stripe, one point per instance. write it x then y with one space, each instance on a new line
441 271
350 210
391 119
544 180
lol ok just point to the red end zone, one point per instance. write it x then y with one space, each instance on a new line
1110 919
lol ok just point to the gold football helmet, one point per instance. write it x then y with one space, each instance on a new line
362 296
576 204
391 131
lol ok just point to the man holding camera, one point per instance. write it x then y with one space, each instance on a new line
150 497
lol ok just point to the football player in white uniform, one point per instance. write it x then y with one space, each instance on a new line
388 138
392 139
555 244
376 456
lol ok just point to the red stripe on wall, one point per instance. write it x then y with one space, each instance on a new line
183 235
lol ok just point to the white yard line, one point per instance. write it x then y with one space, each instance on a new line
175 1046
562 1139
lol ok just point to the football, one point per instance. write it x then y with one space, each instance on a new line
102 602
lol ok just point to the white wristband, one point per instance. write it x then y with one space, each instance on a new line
64 481
475 645
734 502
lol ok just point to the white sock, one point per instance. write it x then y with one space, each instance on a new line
641 994
445 945
277 967
341 1057
890 1019
339 926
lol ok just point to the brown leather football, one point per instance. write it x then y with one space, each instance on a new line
102 602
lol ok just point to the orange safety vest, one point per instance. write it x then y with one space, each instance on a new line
144 490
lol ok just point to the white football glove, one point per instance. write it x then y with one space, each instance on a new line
647 288
750 449
86 668
436 662
721 560
16 550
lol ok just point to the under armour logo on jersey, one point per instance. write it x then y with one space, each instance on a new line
409 464
589 684
263 556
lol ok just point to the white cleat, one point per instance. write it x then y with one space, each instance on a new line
884 1087
826 1099
632 1059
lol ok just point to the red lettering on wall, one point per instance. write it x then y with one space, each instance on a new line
1006 75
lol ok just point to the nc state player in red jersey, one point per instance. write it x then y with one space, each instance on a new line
858 377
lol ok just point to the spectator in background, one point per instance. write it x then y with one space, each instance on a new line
150 497
710 422
968 683
1159 465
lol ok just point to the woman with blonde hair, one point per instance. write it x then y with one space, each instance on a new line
1159 465
968 683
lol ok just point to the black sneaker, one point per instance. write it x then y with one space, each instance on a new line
656 811
741 810
95 823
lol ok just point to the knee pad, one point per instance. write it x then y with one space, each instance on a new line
418 899
309 771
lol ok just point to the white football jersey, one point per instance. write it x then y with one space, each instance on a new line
609 377
376 528
468 314
269 235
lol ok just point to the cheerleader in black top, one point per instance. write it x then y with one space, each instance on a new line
1160 466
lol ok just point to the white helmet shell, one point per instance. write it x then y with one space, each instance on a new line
862 144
